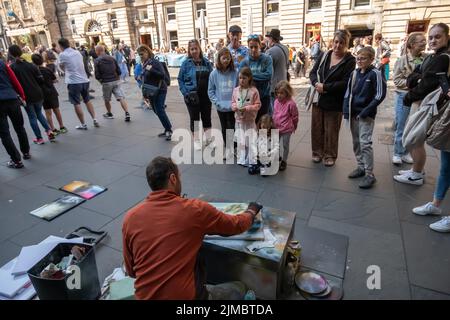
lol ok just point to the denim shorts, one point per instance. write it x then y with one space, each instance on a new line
78 91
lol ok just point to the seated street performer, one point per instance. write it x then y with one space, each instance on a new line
163 234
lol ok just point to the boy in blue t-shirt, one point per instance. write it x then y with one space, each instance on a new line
365 91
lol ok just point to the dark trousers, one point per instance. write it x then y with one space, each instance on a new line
325 126
201 110
265 105
227 121
158 106
11 109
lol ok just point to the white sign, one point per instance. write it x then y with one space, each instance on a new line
19 32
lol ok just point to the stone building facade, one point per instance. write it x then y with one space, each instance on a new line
168 24
28 22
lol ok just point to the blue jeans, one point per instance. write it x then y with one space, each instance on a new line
34 112
158 106
443 182
401 116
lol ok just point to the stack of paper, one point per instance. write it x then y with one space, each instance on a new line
14 287
14 281
31 255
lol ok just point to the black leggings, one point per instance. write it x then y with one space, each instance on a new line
203 110
227 121
265 103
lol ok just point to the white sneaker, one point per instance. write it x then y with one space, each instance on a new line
197 145
442 225
81 127
402 172
396 160
408 171
427 209
407 159
413 178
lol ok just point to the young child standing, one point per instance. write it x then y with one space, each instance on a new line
222 81
365 91
285 117
245 103
51 102
268 147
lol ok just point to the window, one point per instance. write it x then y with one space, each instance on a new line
113 20
25 9
173 38
8 9
272 7
171 15
362 3
418 26
73 26
235 9
198 7
312 31
143 14
314 4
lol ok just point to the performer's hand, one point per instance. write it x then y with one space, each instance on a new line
254 207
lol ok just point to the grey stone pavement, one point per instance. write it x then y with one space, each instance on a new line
342 228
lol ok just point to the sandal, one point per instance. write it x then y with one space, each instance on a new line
329 162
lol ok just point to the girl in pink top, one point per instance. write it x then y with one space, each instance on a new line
245 103
285 117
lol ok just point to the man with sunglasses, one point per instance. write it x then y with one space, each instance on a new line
238 51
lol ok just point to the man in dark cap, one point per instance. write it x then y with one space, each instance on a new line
280 59
238 51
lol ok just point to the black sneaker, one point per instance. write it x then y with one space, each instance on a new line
168 135
14 165
253 169
283 165
127 117
357 173
108 115
162 134
367 182
27 156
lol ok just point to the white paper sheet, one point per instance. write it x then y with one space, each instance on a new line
24 292
31 255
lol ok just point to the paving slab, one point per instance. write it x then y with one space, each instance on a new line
366 248
427 256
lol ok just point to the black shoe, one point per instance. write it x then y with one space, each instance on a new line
127 117
283 165
27 156
162 134
168 135
367 182
357 173
14 165
253 169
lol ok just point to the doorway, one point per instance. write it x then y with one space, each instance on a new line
359 33
146 39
